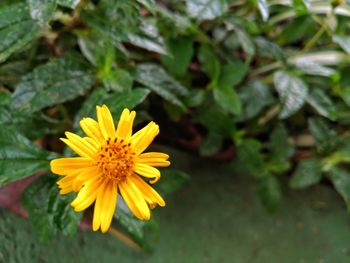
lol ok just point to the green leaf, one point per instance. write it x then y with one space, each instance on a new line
217 122
292 92
270 191
143 232
42 10
212 144
343 42
172 180
233 73
264 9
60 80
156 79
206 9
341 181
19 157
300 28
115 101
17 29
49 212
210 63
180 55
320 130
254 96
308 172
322 103
227 98
249 158
281 149
269 49
118 80
325 138
69 3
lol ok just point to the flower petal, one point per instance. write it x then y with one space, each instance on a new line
87 195
85 175
147 191
105 121
143 138
79 145
96 222
124 129
64 166
134 199
92 129
147 171
108 206
156 159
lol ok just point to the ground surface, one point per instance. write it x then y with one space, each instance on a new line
215 218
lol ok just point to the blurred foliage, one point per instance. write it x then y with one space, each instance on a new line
263 84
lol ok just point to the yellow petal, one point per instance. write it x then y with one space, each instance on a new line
92 129
85 175
148 192
105 122
134 199
63 166
154 159
147 171
144 137
124 129
79 145
87 195
96 222
66 181
96 145
108 206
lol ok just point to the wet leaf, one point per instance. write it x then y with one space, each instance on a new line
292 92
206 9
19 157
60 80
308 172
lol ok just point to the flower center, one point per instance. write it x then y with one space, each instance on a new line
116 160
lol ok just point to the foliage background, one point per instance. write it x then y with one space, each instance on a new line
260 85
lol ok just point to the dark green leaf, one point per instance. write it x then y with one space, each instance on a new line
292 92
270 49
300 27
341 181
322 103
249 158
227 98
42 10
254 96
156 79
48 211
233 73
19 158
281 149
320 130
17 29
217 122
270 191
211 144
308 172
180 55
60 80
210 63
206 9
118 80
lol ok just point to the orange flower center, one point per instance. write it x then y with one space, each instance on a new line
116 160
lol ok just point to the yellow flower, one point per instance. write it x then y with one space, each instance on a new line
111 162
